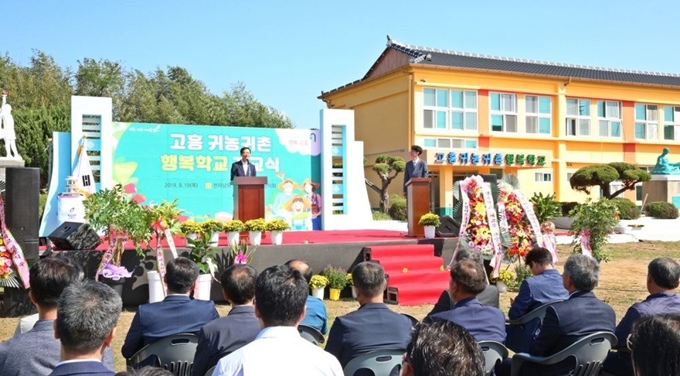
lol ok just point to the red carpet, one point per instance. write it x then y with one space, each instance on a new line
415 275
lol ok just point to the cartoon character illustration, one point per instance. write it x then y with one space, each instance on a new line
300 213
278 207
315 199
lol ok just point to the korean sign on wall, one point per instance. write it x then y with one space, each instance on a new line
159 162
490 159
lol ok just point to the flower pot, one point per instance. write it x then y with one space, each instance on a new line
214 239
277 237
502 287
233 237
318 293
255 237
334 294
116 285
191 236
156 293
203 284
429 232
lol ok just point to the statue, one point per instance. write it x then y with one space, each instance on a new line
7 128
663 167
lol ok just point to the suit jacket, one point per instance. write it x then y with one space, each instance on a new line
484 323
417 171
87 368
372 327
36 352
175 314
237 170
489 297
316 316
564 323
223 336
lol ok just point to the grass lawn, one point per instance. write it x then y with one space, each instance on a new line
622 282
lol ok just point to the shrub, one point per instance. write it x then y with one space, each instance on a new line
597 219
337 277
627 208
545 207
568 207
398 208
380 216
662 210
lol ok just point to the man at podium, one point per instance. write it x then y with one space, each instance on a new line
243 167
415 168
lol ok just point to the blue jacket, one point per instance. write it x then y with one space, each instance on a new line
316 316
175 314
417 171
81 369
483 322
237 170
536 291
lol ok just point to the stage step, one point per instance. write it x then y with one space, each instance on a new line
397 264
440 279
414 294
414 250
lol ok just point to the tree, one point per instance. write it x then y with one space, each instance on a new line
602 175
387 167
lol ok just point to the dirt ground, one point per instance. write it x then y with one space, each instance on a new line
622 283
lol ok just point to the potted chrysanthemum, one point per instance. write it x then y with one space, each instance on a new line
255 227
277 227
429 221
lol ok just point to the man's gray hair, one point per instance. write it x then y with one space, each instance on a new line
86 313
583 270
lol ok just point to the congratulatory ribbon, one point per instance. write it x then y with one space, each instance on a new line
14 248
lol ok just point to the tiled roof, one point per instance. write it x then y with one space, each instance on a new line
438 57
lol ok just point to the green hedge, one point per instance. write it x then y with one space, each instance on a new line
662 210
627 208
567 207
397 208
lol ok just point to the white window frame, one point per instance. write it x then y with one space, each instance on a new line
674 122
574 122
450 110
650 122
609 119
543 177
538 115
452 142
504 112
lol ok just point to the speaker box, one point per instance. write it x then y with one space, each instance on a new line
22 193
448 227
75 236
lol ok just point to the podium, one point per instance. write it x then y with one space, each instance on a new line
418 199
249 197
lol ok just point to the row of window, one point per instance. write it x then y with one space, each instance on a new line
457 110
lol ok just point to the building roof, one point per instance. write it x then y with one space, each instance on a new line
438 57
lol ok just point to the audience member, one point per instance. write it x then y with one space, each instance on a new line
316 316
488 297
654 343
177 313
145 371
544 287
225 335
373 326
662 279
442 348
87 314
280 296
37 352
468 279
567 321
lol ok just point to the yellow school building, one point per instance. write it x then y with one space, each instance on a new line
478 114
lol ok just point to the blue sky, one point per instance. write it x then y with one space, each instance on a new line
287 52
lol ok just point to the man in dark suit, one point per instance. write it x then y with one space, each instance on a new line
243 167
177 313
567 321
662 278
225 335
489 297
415 168
316 315
373 326
37 352
87 314
468 279
545 286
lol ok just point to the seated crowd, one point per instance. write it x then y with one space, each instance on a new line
76 322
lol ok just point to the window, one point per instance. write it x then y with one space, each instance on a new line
543 177
671 123
609 118
646 121
450 109
503 112
539 119
578 117
450 143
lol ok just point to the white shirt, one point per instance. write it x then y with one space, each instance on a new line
279 350
246 166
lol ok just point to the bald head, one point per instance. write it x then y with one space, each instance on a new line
302 267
